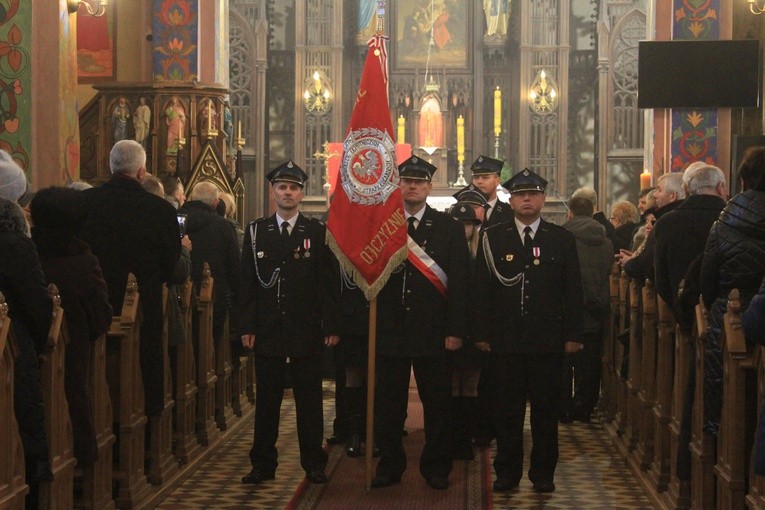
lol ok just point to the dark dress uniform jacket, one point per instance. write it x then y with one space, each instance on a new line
542 307
500 214
302 306
413 317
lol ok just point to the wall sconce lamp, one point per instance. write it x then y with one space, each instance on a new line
543 96
100 9
754 7
317 97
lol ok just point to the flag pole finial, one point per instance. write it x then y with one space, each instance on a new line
380 17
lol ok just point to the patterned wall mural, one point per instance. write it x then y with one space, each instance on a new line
694 132
69 121
175 39
15 79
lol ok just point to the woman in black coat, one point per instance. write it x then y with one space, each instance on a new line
57 214
734 258
30 310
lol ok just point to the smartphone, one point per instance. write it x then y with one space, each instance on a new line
182 224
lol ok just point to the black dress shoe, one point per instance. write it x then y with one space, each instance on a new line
544 486
316 476
438 482
504 484
383 480
256 476
353 446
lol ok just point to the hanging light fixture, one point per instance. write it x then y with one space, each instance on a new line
317 96
754 7
99 9
543 95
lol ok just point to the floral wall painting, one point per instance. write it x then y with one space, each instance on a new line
96 49
175 40
447 20
15 79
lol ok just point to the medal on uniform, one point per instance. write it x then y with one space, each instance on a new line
509 257
297 253
536 252
307 247
536 262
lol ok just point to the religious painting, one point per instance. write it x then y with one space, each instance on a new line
419 21
96 45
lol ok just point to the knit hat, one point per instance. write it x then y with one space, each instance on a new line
13 182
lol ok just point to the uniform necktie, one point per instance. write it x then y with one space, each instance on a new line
527 240
411 229
285 231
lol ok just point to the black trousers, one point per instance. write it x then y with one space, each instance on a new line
433 377
584 369
270 374
517 378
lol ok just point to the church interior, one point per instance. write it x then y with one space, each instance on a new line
226 90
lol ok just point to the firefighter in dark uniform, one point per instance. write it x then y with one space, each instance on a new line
421 316
289 311
486 173
529 312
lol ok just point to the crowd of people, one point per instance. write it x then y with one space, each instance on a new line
515 314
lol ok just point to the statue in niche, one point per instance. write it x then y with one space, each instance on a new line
120 116
207 109
142 121
175 117
430 129
497 13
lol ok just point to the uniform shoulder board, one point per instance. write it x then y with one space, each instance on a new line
259 220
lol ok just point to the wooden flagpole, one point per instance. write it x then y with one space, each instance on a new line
370 391
369 445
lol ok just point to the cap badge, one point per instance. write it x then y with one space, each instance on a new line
289 165
480 159
526 173
463 209
414 159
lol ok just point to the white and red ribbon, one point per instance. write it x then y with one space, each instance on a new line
427 266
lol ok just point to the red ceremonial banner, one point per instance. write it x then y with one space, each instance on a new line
366 229
335 149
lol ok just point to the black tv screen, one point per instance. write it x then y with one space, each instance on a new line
698 74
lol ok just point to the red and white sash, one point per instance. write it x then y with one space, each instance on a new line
427 266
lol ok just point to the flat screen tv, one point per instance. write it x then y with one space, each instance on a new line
698 74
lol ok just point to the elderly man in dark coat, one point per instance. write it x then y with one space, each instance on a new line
214 241
133 231
682 233
529 311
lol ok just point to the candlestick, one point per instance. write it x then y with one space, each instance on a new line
317 82
401 131
497 112
460 139
209 116
239 129
645 179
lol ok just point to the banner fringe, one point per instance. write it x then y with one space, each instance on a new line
370 291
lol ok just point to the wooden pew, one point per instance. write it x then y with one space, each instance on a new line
610 363
622 391
205 359
96 481
647 392
224 411
186 445
755 498
162 462
635 372
13 489
702 444
665 365
58 427
736 429
126 392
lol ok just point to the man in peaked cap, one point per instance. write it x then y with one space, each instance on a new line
422 315
472 196
486 172
289 308
529 311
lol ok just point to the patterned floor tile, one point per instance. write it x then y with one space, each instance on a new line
590 474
